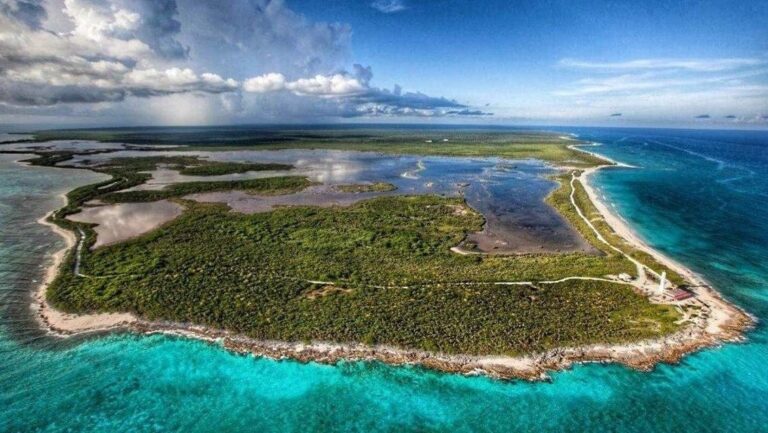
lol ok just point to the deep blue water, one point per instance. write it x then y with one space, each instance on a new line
699 196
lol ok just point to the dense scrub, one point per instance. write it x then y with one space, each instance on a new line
380 271
189 165
504 144
366 187
267 185
402 285
217 168
560 199
582 200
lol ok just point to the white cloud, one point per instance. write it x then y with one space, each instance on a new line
354 96
253 37
134 59
654 80
327 86
666 89
100 59
176 80
270 82
701 65
113 22
388 6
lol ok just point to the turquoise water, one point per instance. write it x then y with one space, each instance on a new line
699 196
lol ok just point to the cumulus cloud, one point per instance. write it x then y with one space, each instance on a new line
108 54
270 82
336 85
388 6
99 56
326 86
153 22
252 37
355 95
147 82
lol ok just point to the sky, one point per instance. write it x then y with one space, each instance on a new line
205 62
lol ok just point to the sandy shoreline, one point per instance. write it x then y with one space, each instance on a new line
718 322
62 324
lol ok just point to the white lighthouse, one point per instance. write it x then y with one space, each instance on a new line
663 282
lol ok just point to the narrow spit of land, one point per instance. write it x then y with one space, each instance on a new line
661 335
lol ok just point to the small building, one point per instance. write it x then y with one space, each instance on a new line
681 294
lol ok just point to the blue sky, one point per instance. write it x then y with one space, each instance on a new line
624 63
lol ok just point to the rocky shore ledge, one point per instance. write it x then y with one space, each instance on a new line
641 355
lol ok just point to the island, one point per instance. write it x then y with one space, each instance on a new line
372 245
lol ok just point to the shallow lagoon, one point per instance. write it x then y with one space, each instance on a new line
119 222
63 145
510 194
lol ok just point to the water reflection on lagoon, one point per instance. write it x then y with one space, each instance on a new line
510 194
63 145
119 222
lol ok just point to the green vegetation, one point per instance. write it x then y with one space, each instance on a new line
366 187
189 165
560 200
402 285
149 163
266 186
379 271
215 168
127 172
590 211
49 158
444 142
555 151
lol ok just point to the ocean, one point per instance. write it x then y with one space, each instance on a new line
700 197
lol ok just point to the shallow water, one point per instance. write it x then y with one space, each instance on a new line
119 222
510 194
62 145
680 202
163 177
316 195
6 137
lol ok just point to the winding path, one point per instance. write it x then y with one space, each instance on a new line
79 252
641 268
